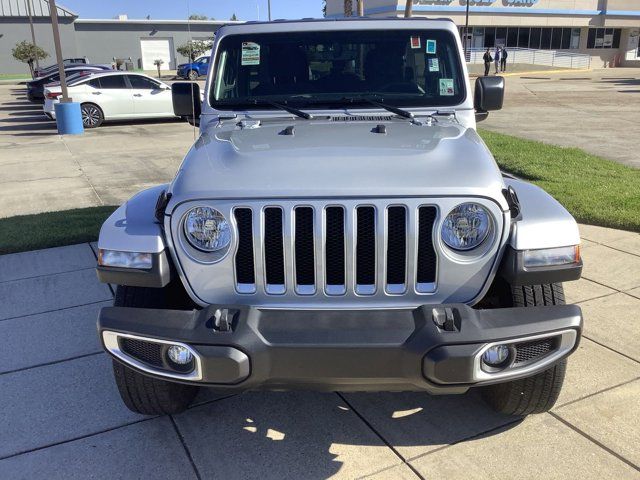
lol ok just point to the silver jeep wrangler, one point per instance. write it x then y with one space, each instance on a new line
340 225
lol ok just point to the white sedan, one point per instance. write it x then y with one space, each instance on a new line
114 96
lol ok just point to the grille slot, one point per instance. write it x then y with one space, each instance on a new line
245 263
528 351
365 250
334 251
274 250
304 251
147 352
426 261
396 249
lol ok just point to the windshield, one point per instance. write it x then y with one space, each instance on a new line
419 68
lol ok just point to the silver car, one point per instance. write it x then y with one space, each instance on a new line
340 225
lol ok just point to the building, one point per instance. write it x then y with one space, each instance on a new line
99 40
607 30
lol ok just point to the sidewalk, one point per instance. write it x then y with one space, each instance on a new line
62 417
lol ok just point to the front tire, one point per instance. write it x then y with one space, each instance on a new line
92 116
193 75
151 396
539 393
141 393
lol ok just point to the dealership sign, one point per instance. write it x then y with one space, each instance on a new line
476 2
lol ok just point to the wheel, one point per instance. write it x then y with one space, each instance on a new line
193 75
538 393
140 393
92 115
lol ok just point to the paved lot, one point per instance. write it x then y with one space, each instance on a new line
61 415
43 171
597 111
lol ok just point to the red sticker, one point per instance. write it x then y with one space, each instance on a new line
415 42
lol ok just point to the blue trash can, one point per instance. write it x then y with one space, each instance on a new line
69 118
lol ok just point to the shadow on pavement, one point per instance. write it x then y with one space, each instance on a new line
311 435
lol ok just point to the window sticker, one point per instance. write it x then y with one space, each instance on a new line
446 87
434 64
431 46
250 53
415 42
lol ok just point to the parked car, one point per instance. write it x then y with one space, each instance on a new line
195 69
42 71
114 96
345 229
35 88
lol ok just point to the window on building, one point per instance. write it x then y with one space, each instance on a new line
489 37
512 37
604 38
523 38
556 39
545 39
534 38
501 36
575 38
566 38
616 38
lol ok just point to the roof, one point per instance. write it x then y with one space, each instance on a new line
156 21
39 8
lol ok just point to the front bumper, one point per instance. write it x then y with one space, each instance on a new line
348 350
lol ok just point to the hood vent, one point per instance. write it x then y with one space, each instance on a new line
362 118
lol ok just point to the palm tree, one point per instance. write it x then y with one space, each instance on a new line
348 8
408 8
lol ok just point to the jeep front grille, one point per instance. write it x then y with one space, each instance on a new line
334 249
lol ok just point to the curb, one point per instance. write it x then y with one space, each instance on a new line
541 72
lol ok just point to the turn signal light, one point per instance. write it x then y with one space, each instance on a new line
552 256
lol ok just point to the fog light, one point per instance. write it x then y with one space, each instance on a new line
496 356
180 355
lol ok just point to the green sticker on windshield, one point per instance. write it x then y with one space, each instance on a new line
431 46
446 87
250 53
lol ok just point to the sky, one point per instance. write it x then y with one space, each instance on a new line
180 9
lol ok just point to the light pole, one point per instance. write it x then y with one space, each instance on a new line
361 8
269 9
33 34
466 31
56 42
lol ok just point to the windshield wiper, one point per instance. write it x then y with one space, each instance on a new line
372 101
282 106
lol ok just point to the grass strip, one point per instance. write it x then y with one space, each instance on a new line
595 190
51 229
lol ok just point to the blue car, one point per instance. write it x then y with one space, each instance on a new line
192 71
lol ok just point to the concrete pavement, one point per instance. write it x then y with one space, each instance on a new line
597 111
62 417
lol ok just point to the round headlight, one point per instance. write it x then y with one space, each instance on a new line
466 226
207 229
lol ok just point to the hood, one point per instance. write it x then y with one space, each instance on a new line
324 158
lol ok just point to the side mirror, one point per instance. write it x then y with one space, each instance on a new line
186 101
489 95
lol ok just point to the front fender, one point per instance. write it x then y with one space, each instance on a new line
543 222
133 228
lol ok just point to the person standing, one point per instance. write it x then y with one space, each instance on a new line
487 62
503 60
497 60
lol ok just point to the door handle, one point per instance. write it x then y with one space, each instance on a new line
137 94
97 93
